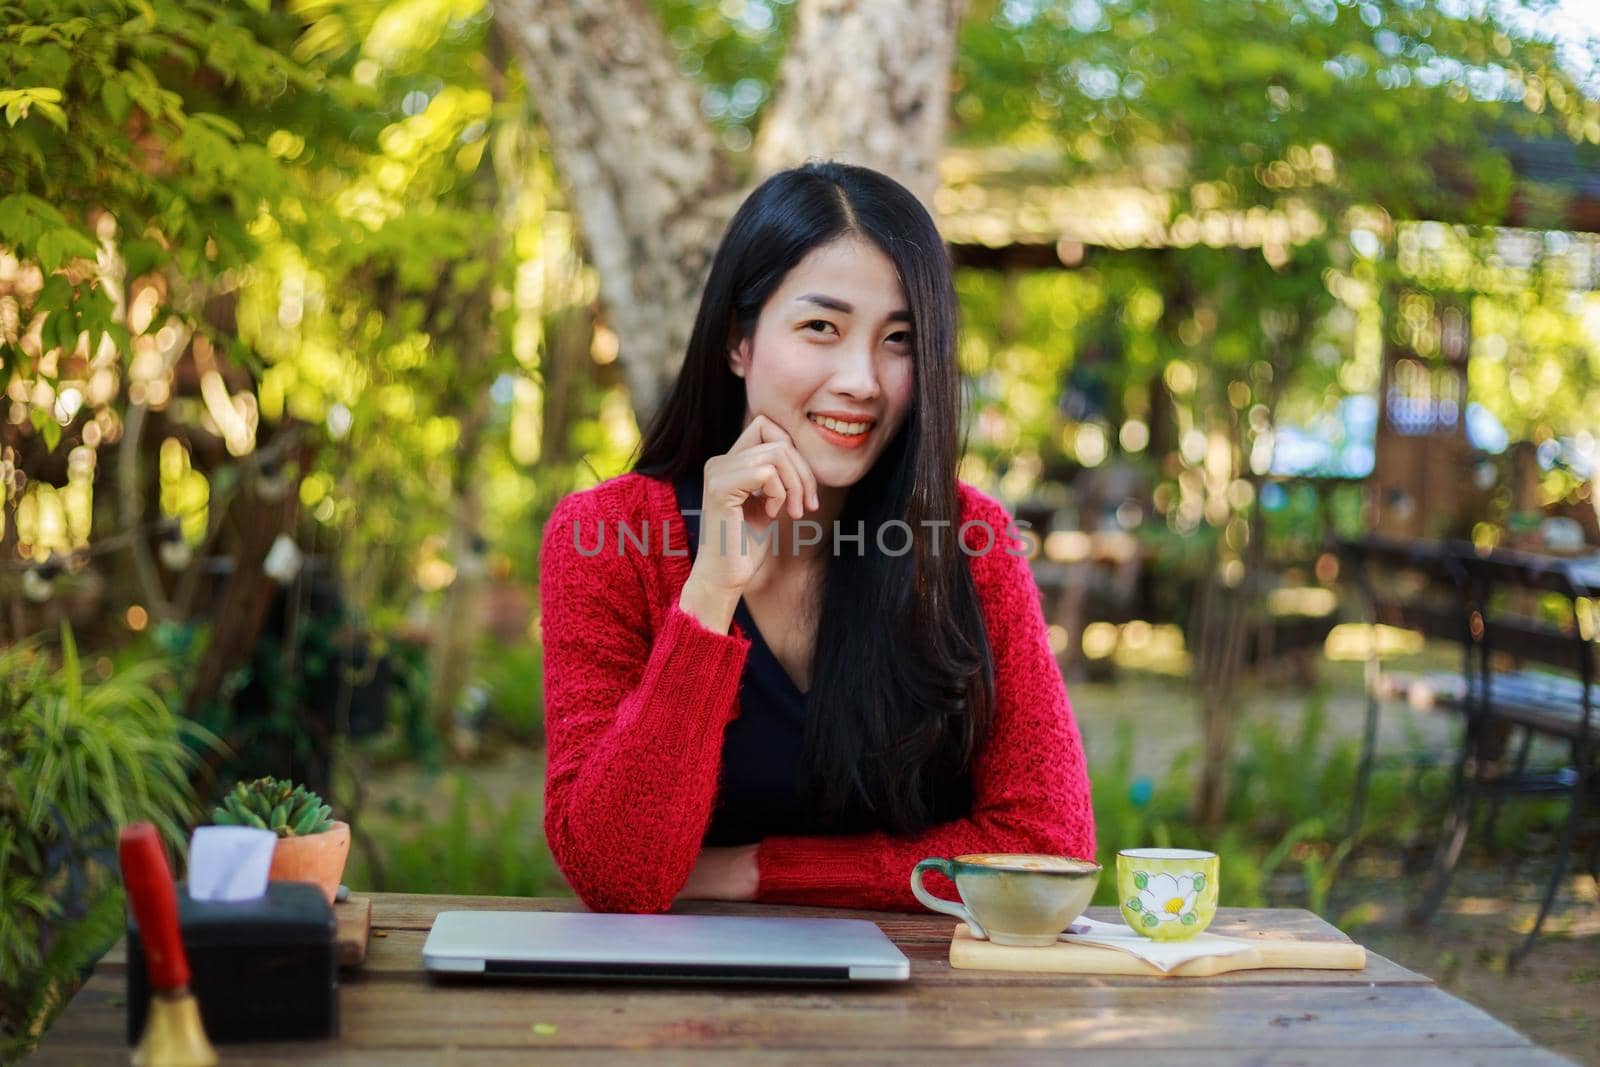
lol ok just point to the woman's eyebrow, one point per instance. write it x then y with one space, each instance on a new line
833 303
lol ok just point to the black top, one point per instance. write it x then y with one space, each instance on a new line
759 792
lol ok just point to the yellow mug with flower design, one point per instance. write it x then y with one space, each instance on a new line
1167 894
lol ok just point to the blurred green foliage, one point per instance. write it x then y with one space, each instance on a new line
85 748
1284 841
370 183
514 678
474 844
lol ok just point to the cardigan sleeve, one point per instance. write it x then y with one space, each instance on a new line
634 720
1030 781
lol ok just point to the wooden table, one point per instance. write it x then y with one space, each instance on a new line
392 1015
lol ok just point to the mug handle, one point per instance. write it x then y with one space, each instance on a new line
939 904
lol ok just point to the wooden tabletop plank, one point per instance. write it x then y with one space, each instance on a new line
473 1015
392 1014
535 1016
327 1054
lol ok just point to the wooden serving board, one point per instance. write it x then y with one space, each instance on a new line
353 919
1065 957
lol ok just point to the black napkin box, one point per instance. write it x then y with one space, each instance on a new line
263 970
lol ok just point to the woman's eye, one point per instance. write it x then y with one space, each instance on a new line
819 325
900 337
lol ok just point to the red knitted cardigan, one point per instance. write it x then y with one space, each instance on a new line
637 694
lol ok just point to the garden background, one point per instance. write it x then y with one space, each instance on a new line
310 311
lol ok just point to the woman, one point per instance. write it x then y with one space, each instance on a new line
789 654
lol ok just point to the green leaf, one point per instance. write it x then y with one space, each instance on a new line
63 329
225 126
52 113
115 98
50 250
13 219
48 428
71 669
55 296
56 246
141 255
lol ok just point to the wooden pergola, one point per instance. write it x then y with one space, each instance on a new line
1016 210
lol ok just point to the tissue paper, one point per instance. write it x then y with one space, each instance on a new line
230 862
1164 955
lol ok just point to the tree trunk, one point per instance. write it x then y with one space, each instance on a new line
241 608
864 81
475 336
456 627
1230 614
569 336
1222 630
650 185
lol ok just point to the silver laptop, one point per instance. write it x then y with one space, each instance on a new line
587 945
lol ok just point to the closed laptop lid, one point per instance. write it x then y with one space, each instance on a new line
695 947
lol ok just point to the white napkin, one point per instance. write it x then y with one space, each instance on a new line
1163 955
229 862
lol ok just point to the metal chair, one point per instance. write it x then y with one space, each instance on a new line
1498 702
1409 585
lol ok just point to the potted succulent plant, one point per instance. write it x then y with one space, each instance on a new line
312 845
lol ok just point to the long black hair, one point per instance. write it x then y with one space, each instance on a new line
902 686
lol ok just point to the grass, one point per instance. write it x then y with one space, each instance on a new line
457 838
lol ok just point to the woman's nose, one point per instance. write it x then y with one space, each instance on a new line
858 375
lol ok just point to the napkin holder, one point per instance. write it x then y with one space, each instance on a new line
263 970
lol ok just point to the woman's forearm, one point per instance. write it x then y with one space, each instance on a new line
712 608
630 785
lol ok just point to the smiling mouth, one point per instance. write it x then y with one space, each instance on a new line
842 427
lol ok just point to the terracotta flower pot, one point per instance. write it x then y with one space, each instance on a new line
316 858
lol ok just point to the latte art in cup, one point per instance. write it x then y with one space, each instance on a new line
1028 862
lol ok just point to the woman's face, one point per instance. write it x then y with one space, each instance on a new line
830 359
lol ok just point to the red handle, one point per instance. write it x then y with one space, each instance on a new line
155 905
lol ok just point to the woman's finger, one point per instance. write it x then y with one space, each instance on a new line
790 467
772 433
764 433
760 430
809 478
772 486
